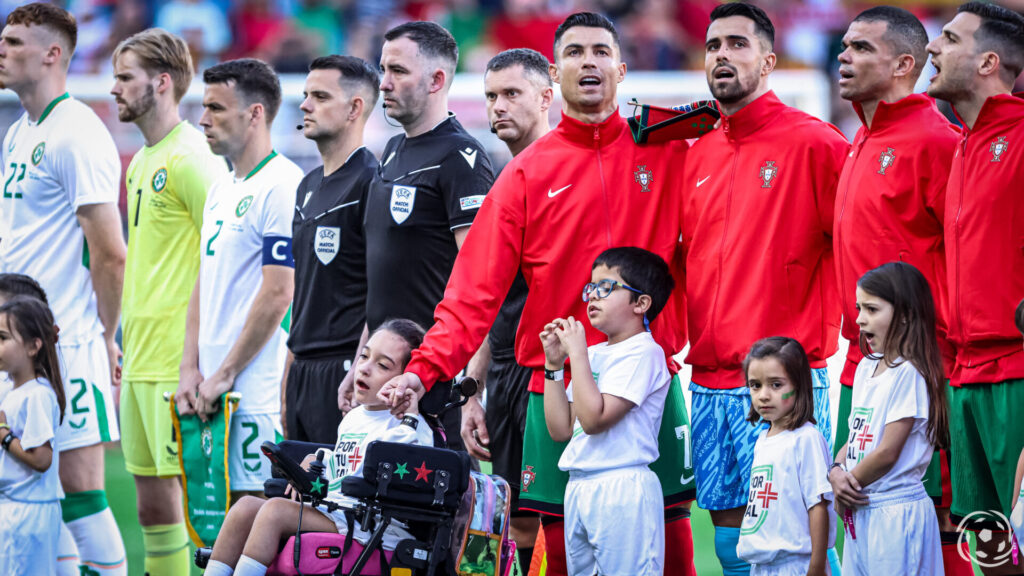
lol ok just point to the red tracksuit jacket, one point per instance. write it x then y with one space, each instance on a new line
890 204
985 244
759 195
575 192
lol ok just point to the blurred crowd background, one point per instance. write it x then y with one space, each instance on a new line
661 35
664 36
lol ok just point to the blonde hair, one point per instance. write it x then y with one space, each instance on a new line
160 52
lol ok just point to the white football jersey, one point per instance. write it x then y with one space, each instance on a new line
247 223
51 168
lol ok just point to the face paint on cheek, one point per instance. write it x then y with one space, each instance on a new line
788 395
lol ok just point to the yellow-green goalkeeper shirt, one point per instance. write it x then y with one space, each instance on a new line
167 185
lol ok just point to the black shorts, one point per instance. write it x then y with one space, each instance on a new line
507 397
311 398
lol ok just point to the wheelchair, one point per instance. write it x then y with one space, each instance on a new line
387 493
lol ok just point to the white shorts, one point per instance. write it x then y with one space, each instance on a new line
28 537
896 534
248 468
89 417
615 523
786 565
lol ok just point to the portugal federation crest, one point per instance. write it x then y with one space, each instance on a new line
768 173
402 200
885 160
528 477
643 177
326 243
998 147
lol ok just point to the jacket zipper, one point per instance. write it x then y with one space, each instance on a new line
721 247
956 232
843 294
604 190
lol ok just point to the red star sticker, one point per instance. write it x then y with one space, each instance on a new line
422 472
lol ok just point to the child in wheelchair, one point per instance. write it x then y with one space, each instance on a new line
255 528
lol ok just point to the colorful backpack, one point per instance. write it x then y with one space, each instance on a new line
481 545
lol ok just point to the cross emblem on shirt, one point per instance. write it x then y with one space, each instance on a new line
767 495
865 438
355 459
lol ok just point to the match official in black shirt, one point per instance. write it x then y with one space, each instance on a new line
329 309
431 181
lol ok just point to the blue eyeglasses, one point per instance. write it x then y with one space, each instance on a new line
604 288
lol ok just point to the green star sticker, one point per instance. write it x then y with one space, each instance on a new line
402 470
317 485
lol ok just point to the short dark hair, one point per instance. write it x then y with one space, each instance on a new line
1019 317
1002 32
762 23
356 74
794 361
533 62
49 16
904 32
407 330
586 20
254 80
12 285
642 270
432 39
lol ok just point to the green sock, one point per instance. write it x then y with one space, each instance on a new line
166 549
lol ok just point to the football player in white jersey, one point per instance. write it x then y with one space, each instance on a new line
234 339
60 225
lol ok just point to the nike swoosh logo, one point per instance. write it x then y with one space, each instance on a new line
556 192
703 180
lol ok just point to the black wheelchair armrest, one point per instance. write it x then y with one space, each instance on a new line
306 483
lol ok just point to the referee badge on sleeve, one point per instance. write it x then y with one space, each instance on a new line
326 243
402 200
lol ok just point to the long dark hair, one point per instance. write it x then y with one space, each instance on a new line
911 335
794 361
32 320
407 330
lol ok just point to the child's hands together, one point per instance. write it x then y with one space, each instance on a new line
561 338
847 490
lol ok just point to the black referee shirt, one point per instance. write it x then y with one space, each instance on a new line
425 188
329 245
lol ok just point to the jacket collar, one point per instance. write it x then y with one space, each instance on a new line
752 117
592 135
889 114
995 110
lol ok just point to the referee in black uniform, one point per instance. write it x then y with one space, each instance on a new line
329 308
431 182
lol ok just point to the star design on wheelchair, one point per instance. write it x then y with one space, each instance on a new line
422 472
401 469
317 486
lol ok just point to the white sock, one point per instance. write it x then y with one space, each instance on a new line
248 567
216 568
67 553
99 543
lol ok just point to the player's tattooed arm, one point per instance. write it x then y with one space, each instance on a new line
101 225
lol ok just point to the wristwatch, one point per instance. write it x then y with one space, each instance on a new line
556 375
410 421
